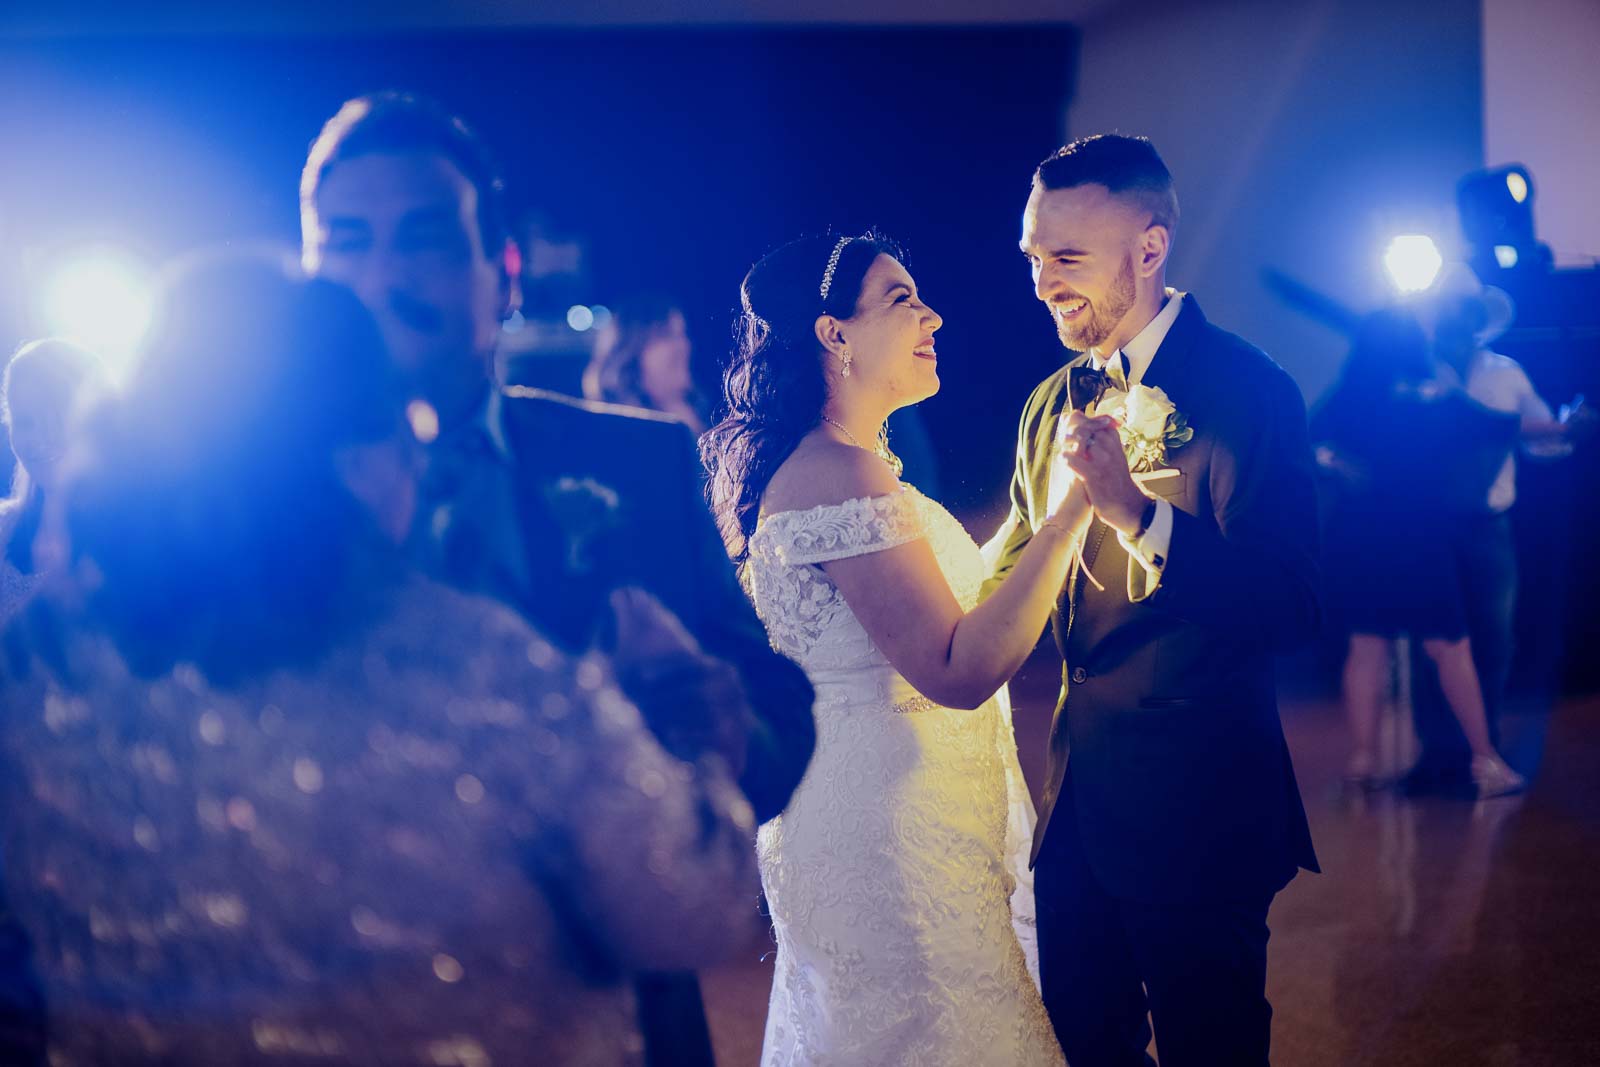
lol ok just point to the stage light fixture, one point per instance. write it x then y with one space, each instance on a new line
1413 262
1496 208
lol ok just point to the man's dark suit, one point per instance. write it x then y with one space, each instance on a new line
1170 813
22 1012
585 498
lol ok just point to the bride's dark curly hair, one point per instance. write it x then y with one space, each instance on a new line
774 387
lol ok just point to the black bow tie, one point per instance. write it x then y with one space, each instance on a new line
1086 384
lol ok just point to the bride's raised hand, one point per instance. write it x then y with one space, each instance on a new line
1072 514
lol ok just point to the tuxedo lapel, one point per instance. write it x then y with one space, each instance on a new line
1176 361
1180 368
1170 369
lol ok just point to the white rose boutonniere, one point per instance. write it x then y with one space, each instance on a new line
1150 424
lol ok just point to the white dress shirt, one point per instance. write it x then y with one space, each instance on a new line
1500 384
1150 550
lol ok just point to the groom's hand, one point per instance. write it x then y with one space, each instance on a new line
1092 450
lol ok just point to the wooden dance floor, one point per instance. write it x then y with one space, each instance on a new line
1442 933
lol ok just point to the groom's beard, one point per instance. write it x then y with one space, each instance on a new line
1091 332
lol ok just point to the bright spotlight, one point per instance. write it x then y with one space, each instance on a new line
1506 256
101 300
1413 262
1517 186
580 318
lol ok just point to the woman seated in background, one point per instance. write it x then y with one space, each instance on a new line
266 793
641 358
43 384
1407 458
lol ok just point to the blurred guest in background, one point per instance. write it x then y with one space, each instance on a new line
1466 317
269 793
641 358
43 383
548 340
43 386
544 502
1407 458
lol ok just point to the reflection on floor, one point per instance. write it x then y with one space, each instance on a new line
1443 931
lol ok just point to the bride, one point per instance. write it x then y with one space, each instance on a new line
889 873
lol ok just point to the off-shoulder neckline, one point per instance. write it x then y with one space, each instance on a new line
905 490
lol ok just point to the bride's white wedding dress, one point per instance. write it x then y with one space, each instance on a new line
891 874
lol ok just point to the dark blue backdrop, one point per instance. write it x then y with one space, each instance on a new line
680 156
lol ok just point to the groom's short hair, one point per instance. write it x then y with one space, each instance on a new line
1127 166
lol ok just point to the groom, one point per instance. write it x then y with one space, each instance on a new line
1170 815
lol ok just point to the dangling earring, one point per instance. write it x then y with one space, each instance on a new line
844 371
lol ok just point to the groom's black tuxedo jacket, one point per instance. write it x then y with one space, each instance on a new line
1166 745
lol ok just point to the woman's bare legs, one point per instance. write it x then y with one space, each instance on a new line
1458 678
1462 691
1366 674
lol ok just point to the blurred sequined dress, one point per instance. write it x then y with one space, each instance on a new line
19 580
894 873
442 845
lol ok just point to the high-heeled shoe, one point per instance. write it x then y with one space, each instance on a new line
1494 779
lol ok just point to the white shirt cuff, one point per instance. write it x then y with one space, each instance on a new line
1147 557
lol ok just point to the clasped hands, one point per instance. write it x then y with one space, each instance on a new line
1091 448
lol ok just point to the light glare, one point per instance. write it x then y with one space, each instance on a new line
102 301
1413 262
1506 256
579 317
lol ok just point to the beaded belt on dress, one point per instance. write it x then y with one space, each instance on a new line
913 705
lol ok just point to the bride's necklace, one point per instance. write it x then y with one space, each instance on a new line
841 428
882 451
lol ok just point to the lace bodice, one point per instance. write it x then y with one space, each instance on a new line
804 612
888 875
